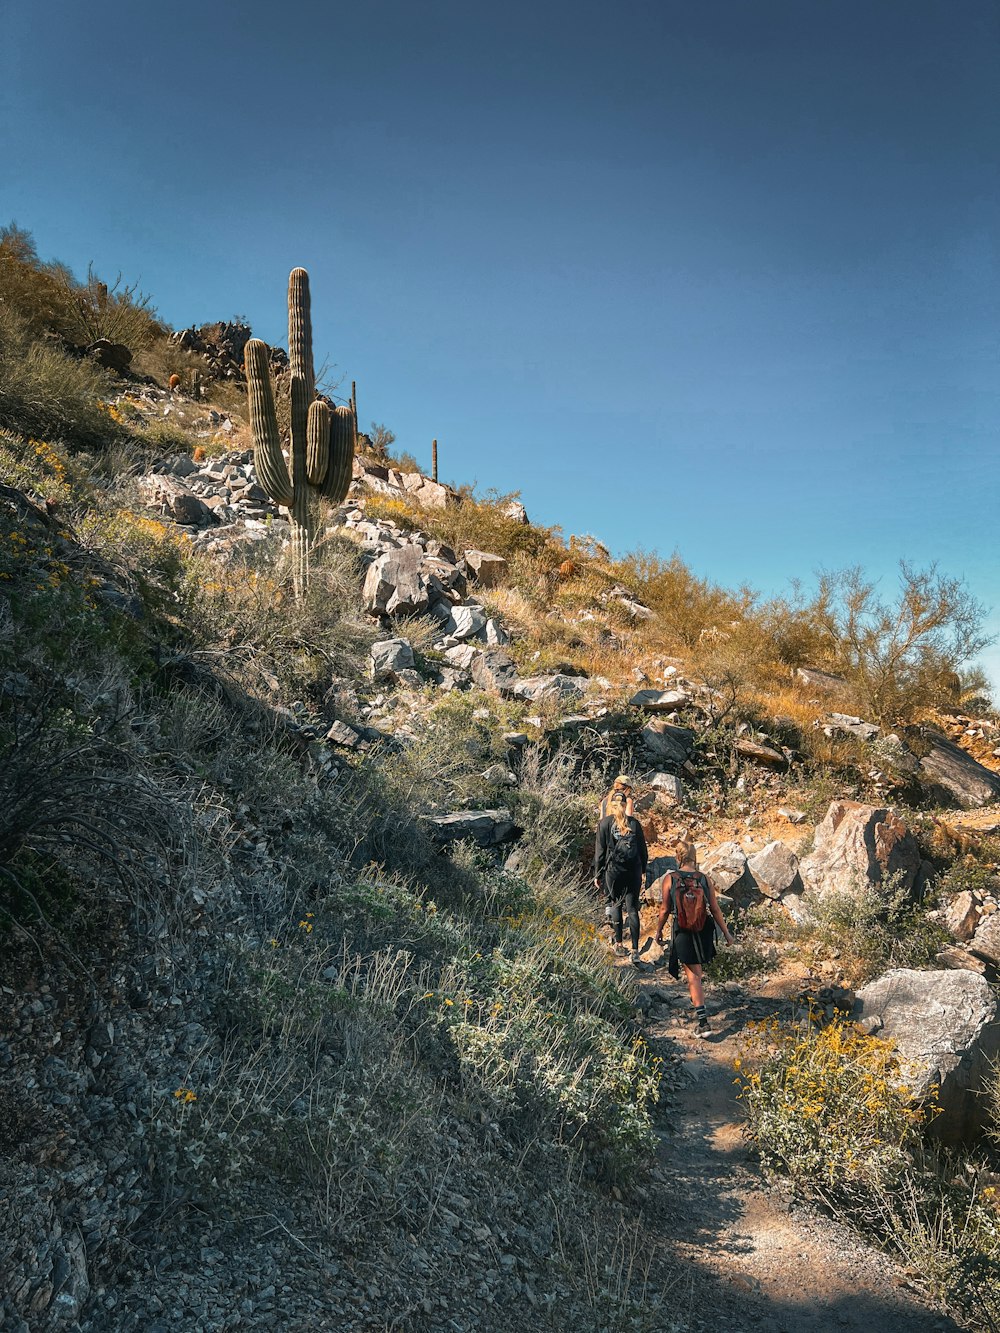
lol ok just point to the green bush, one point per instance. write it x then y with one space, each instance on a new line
876 927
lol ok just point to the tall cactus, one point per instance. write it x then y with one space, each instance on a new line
321 446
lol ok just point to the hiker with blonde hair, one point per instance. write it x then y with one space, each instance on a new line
621 785
690 898
620 860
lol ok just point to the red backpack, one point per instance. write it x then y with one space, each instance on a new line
690 900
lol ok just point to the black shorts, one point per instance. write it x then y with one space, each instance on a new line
694 948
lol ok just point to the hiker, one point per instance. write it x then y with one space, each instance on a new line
621 784
689 896
620 859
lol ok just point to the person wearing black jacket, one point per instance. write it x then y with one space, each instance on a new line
620 859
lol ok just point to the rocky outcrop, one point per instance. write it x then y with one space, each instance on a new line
858 845
395 583
945 1025
666 743
968 782
486 828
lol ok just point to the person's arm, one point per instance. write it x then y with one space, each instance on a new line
600 852
716 911
665 906
643 849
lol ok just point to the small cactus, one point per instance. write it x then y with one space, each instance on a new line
434 460
321 447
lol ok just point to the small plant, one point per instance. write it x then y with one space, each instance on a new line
874 927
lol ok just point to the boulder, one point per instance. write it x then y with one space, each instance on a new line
961 916
657 867
858 845
485 568
667 785
515 511
852 726
726 866
822 681
446 575
985 943
665 743
493 669
775 869
660 701
534 688
389 658
944 1024
394 584
761 753
110 355
344 736
486 828
948 766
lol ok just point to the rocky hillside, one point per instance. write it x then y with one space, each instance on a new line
309 1017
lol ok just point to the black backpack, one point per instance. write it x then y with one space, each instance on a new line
624 853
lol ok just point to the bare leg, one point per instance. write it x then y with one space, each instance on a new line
696 987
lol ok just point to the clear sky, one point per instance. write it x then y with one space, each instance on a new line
718 276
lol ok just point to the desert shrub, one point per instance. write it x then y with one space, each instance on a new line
970 874
32 290
903 655
121 314
687 608
829 1106
876 927
751 956
47 394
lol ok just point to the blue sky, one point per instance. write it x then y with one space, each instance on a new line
719 276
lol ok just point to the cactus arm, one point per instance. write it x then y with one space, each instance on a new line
318 442
268 458
341 465
300 355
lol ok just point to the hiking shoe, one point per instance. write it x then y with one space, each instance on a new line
702 1028
620 950
636 960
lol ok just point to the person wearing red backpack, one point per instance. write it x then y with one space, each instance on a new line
689 897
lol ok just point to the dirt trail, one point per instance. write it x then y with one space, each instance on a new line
763 1262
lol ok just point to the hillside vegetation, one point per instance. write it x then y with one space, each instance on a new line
275 1051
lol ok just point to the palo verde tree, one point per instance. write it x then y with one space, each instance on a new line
903 655
321 444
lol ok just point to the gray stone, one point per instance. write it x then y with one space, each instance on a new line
761 753
493 669
485 568
961 916
852 726
466 622
657 867
859 845
494 633
985 943
726 866
534 688
667 785
775 869
665 743
822 681
389 657
461 656
515 511
660 701
344 736
486 828
969 782
944 1024
394 584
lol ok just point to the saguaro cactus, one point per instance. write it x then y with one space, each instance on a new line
321 444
